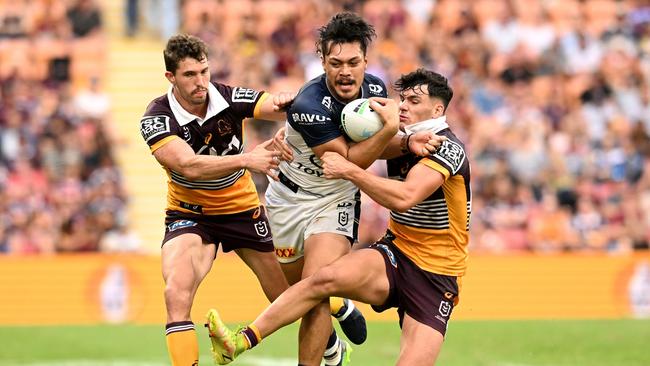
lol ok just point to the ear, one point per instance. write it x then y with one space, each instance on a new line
170 76
438 110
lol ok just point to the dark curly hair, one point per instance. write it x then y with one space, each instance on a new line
182 46
344 28
437 85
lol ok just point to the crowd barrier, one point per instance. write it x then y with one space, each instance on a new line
96 288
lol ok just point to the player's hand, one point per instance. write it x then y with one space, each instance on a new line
425 143
282 100
281 145
263 160
387 109
336 166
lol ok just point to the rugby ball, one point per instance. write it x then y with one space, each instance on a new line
359 121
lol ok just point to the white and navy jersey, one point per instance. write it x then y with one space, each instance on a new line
219 133
313 119
435 233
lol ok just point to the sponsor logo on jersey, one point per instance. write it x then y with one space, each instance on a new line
327 102
445 308
452 154
261 229
257 213
244 95
309 119
191 206
389 253
180 224
309 170
449 295
152 126
375 89
285 252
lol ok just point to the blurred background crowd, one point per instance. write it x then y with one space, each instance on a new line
551 99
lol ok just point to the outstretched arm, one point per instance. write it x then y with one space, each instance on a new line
178 156
273 108
395 195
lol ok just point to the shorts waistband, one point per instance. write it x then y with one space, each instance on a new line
288 182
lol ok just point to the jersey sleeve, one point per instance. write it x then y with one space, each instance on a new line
313 121
244 102
448 159
158 127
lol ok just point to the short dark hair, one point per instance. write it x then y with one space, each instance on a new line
437 85
182 46
344 27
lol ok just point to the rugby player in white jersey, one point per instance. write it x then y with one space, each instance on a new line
314 221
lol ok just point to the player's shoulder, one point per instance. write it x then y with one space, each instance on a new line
452 153
237 94
314 95
374 85
158 106
158 120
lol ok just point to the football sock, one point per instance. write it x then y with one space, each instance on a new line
332 354
182 345
336 303
252 335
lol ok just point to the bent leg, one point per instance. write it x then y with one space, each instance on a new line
267 270
420 344
360 275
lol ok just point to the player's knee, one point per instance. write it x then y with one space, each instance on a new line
325 282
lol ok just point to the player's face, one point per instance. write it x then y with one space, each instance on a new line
191 80
416 105
344 67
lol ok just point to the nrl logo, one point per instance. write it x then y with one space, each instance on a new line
261 229
344 217
445 308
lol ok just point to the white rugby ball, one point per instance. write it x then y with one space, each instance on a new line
359 121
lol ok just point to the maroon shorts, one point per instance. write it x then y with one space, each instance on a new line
247 229
427 297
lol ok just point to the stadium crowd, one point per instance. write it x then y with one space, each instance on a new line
60 189
551 97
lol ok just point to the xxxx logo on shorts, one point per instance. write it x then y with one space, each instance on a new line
285 252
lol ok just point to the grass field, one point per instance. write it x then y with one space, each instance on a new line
488 343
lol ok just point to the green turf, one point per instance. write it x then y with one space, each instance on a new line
488 343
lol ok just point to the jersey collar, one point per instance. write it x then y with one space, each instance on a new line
216 104
436 125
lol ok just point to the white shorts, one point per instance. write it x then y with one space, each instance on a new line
294 216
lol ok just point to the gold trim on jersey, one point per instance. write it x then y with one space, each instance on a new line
239 196
162 143
258 106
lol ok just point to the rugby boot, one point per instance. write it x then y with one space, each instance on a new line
226 344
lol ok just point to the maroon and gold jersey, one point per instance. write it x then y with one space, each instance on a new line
220 133
434 234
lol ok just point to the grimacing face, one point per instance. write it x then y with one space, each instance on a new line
344 67
191 81
416 105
